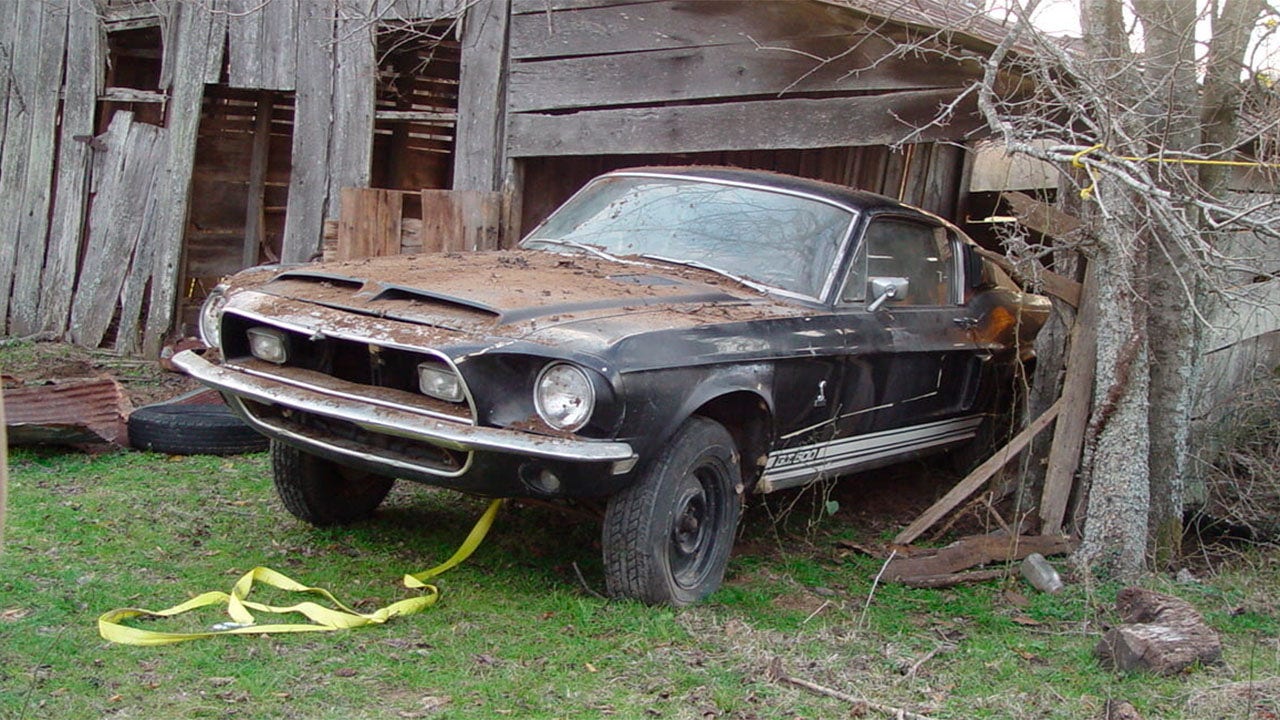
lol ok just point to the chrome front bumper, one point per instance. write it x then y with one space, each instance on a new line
393 421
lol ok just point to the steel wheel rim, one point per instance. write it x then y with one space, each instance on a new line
698 515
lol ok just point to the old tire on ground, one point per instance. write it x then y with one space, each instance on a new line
668 537
192 430
322 492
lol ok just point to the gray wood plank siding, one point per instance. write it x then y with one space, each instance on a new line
312 126
765 124
28 161
83 82
545 89
725 71
661 77
262 44
478 157
124 172
354 83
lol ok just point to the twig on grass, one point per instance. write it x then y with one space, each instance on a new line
862 619
915 667
583 581
814 614
777 673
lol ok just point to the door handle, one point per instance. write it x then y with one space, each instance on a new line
968 323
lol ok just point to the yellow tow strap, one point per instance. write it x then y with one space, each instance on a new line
323 619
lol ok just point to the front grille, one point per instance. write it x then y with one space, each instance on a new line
358 363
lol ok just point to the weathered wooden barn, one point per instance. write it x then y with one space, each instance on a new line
148 147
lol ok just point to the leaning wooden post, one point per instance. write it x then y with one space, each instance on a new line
1077 390
980 475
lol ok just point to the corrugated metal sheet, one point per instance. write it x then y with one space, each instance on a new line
67 411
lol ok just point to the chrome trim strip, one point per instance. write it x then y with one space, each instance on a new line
400 423
796 466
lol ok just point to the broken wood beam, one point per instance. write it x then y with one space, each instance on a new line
937 582
979 476
970 552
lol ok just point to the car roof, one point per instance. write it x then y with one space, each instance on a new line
856 199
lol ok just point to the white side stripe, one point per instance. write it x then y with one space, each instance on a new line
844 454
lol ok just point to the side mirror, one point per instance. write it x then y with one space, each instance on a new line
884 289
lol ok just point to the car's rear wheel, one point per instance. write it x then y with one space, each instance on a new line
668 537
323 492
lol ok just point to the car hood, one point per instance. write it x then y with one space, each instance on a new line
521 293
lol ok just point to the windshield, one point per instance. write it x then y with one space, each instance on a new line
784 241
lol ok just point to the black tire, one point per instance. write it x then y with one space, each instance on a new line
192 430
322 492
668 537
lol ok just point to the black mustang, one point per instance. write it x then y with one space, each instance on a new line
670 339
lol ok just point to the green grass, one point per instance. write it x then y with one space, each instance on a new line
516 634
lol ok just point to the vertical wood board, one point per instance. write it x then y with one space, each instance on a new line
37 191
137 276
460 220
312 129
20 116
215 45
122 173
354 87
369 224
1077 391
260 155
85 64
262 44
8 39
478 140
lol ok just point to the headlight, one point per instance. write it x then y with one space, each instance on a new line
268 344
440 382
564 396
211 317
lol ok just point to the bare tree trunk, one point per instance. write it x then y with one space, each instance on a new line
1116 453
1170 70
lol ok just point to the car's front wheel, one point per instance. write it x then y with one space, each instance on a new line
667 538
323 492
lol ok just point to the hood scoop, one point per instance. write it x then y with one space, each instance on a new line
356 295
377 292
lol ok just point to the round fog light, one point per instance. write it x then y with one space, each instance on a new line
540 479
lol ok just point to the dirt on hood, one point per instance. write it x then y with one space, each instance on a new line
477 292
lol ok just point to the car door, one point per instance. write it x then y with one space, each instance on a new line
912 372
